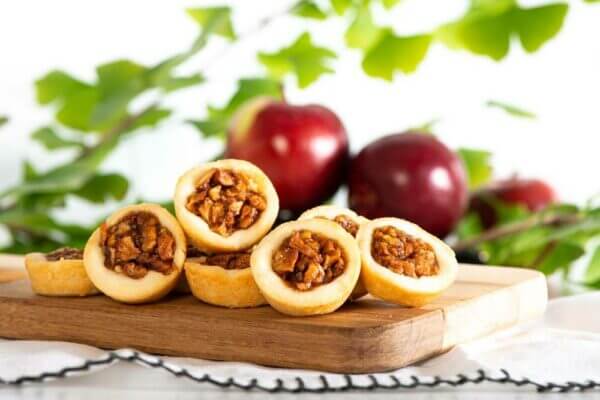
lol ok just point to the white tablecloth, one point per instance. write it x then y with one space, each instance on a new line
559 352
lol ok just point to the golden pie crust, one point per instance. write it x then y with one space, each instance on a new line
388 285
154 285
322 299
213 284
197 229
58 278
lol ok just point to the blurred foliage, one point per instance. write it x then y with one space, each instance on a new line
511 109
91 118
302 58
477 165
551 240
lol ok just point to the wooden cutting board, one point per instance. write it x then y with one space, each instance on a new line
362 337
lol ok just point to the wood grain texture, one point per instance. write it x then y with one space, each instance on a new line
365 336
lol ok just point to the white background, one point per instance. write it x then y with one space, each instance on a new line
560 83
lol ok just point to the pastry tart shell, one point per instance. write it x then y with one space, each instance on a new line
388 285
58 278
198 231
319 300
212 284
120 287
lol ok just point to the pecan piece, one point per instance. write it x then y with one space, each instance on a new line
137 243
306 260
403 253
166 245
285 259
133 270
226 201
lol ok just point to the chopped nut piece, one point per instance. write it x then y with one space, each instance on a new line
402 253
65 253
284 260
223 199
306 260
347 223
228 260
134 271
136 244
166 245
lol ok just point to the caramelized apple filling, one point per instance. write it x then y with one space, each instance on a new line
402 253
228 260
347 223
65 253
227 201
136 244
306 260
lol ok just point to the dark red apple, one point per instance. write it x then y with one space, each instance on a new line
302 149
533 194
413 176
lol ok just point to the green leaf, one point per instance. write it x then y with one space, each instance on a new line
488 26
592 272
482 34
214 19
214 127
57 85
511 109
535 26
119 76
308 9
391 53
119 82
469 226
65 178
217 121
389 4
560 257
507 213
76 100
363 33
36 231
180 82
77 109
307 61
477 165
51 140
340 6
3 120
101 188
29 173
150 118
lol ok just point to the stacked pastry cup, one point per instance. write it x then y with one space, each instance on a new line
222 248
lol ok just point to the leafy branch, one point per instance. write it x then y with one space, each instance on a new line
91 118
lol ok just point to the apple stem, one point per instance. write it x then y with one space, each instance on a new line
515 228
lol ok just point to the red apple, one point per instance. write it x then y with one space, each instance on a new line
302 149
533 194
412 176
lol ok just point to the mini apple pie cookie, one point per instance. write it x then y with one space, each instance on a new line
137 255
223 280
59 273
347 219
225 205
404 264
306 267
